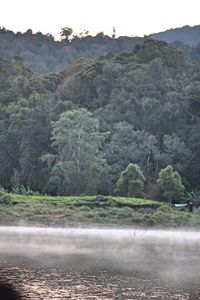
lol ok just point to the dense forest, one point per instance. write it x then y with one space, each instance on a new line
74 132
42 54
188 35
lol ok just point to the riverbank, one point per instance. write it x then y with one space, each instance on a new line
64 211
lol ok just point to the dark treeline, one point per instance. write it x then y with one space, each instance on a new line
42 54
75 132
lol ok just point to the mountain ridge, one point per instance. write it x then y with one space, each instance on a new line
42 54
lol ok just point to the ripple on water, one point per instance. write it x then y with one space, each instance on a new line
100 263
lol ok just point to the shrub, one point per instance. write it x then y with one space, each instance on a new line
150 220
193 194
4 197
22 190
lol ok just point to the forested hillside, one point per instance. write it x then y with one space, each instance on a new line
42 54
75 132
187 35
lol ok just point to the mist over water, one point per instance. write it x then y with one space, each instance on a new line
157 252
101 263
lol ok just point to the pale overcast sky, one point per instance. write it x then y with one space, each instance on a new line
130 17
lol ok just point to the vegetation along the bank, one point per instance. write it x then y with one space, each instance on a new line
88 210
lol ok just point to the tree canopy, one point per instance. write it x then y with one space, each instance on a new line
42 54
76 131
169 182
78 141
131 181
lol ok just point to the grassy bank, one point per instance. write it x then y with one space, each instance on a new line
61 211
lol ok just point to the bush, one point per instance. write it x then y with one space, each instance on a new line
150 220
192 195
4 197
21 190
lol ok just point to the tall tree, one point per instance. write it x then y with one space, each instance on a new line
65 33
77 137
170 184
131 181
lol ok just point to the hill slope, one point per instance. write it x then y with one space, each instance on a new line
141 107
187 35
42 54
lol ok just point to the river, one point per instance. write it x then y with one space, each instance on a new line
100 263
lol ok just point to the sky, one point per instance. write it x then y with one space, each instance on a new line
129 17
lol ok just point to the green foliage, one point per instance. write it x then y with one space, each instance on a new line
42 54
131 181
128 145
65 33
78 139
175 152
59 180
98 180
47 210
192 194
170 184
75 131
22 190
135 202
4 197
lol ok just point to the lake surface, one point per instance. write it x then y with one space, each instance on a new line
94 263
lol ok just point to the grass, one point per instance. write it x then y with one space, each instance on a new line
62 211
84 200
135 202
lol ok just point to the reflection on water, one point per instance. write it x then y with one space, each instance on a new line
80 263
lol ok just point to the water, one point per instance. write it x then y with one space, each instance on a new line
96 263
